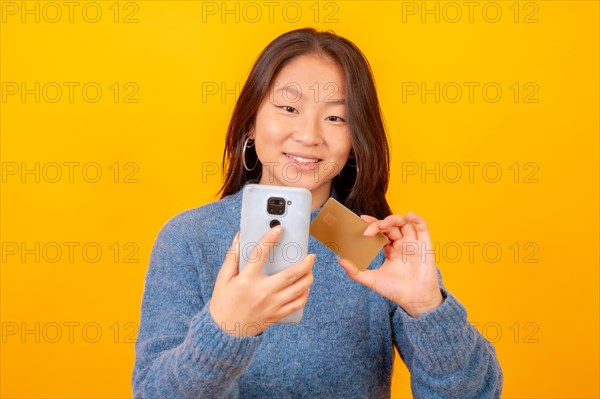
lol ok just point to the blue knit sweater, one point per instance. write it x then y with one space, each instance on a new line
343 347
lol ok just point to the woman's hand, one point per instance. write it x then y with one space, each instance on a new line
408 276
246 303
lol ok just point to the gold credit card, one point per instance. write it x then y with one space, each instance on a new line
341 230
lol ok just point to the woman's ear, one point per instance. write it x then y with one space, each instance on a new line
250 133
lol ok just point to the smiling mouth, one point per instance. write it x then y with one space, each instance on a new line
302 160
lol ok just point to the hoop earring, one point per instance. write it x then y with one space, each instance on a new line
246 145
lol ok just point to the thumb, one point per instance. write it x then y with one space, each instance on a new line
364 277
229 269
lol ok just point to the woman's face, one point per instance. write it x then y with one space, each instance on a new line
301 135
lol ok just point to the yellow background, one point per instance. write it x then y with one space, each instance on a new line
539 305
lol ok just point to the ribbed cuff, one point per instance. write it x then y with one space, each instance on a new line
223 351
441 338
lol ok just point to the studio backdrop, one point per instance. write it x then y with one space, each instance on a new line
113 117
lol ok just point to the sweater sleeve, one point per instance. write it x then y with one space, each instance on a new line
446 356
180 351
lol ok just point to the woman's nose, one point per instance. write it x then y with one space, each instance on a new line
308 133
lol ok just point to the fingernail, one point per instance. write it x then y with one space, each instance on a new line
277 229
368 231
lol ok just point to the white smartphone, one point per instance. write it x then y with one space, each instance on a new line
265 206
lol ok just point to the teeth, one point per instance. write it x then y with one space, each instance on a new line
303 160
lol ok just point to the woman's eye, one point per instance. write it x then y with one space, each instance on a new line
335 119
287 108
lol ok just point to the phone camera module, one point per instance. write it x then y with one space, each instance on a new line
276 206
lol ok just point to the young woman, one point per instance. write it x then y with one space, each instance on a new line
308 116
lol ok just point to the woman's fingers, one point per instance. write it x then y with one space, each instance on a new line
254 255
390 226
372 228
403 224
365 277
293 305
294 290
291 274
399 229
229 269
409 231
421 227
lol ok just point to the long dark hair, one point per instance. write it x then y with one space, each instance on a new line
363 192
